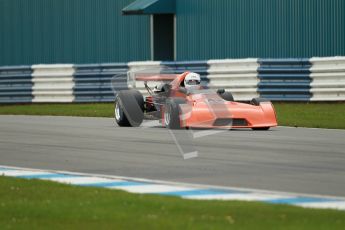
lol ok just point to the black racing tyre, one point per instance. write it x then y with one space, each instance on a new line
257 101
261 128
129 108
225 95
119 114
172 113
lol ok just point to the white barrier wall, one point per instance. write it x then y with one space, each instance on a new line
237 76
315 79
240 77
328 79
53 83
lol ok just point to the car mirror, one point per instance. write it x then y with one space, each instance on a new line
166 87
182 90
220 91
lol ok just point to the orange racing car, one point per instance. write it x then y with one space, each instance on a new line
184 103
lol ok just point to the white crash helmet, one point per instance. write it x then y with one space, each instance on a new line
192 80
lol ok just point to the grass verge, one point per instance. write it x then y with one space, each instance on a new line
79 110
34 204
314 115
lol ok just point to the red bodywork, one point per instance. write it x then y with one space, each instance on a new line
209 110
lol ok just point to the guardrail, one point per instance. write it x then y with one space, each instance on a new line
92 83
52 83
16 84
328 79
315 79
238 76
284 79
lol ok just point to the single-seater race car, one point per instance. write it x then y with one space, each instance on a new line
184 103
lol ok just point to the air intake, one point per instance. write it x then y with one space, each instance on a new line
230 122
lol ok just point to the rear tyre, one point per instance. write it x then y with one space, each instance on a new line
120 116
129 108
172 113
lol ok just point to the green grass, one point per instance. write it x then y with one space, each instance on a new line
315 115
33 204
82 110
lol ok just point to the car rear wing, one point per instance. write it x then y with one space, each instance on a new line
132 78
159 77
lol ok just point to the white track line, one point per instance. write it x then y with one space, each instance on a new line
82 180
21 173
156 188
240 196
340 205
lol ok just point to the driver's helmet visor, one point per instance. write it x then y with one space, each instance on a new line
193 82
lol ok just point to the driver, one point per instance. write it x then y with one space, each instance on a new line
192 81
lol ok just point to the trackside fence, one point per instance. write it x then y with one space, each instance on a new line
16 84
314 79
328 79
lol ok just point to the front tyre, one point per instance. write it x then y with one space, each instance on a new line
172 113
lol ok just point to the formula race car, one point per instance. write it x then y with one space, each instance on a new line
184 103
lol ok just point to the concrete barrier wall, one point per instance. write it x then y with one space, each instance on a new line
315 79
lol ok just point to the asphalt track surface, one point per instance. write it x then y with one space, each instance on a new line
297 160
